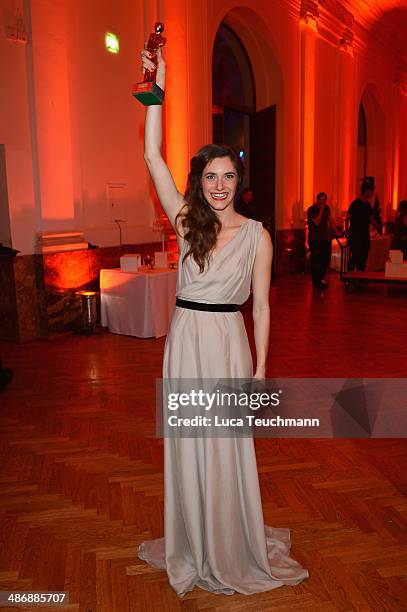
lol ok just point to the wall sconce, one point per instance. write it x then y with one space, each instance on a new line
112 42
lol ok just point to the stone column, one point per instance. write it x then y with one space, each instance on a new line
346 127
309 27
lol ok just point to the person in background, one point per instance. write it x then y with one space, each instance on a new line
377 215
321 229
402 209
244 204
399 240
358 222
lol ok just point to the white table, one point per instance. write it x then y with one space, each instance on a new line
379 250
336 254
378 254
137 303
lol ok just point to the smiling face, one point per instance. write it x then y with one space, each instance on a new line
219 183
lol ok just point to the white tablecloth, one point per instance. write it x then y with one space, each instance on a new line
336 255
379 250
139 303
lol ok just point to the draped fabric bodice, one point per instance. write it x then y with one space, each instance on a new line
227 278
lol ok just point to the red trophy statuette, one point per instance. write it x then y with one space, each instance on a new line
148 92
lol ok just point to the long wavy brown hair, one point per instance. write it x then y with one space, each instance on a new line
200 223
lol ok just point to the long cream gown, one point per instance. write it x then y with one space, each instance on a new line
215 536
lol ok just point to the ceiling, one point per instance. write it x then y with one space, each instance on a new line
387 19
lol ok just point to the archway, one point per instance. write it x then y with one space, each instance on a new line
257 96
5 228
361 170
233 94
371 155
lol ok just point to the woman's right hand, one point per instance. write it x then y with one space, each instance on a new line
151 65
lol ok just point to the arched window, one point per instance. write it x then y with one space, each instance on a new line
232 76
233 92
237 121
362 146
362 138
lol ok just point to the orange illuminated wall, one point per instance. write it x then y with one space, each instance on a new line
81 269
68 270
396 176
307 114
177 115
52 95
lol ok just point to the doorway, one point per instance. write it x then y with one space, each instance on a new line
5 230
235 122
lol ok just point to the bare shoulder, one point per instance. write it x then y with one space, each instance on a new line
264 250
265 239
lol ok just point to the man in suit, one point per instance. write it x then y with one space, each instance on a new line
321 229
244 205
358 221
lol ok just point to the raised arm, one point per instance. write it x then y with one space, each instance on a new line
261 306
170 198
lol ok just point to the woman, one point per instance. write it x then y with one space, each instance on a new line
215 537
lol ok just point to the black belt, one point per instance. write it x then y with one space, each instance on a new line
206 307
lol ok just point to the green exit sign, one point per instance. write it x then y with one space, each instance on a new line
112 42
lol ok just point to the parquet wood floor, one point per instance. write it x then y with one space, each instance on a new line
81 478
